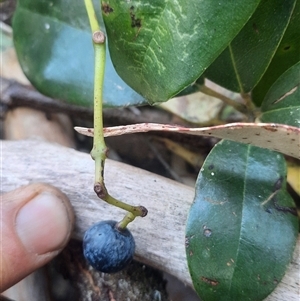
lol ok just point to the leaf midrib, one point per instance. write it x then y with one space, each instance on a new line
280 109
235 68
242 214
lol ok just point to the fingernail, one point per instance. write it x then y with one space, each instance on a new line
43 224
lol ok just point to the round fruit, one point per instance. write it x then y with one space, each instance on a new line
107 248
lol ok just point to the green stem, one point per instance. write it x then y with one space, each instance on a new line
208 91
128 218
253 111
99 149
92 15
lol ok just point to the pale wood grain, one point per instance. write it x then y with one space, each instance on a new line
159 236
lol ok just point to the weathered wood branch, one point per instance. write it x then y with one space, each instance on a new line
159 236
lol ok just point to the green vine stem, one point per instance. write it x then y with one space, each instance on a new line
99 150
208 91
252 109
247 108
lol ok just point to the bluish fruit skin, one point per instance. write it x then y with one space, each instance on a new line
108 249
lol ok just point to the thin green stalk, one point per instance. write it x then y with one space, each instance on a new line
99 149
128 218
208 91
253 111
92 15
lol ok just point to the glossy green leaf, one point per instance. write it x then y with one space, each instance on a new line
54 47
287 55
242 227
160 47
242 64
282 102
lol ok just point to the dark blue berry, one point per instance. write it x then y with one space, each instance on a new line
108 249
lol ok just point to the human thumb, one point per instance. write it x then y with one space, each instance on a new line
36 223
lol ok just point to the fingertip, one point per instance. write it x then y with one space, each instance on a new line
43 224
37 223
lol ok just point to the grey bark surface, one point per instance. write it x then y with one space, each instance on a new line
159 236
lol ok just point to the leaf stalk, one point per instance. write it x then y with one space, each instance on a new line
208 91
